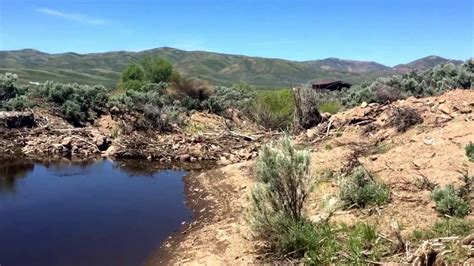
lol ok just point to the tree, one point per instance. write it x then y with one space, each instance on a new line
157 70
133 72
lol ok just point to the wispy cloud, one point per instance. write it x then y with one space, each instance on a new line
81 18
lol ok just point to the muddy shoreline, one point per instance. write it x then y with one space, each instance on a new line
201 213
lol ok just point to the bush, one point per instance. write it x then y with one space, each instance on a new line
286 172
225 98
404 118
302 239
165 118
273 109
9 90
79 103
448 202
387 94
72 111
19 103
415 83
331 107
194 89
133 72
446 228
359 190
470 151
284 184
157 70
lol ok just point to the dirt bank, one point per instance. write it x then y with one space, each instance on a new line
206 138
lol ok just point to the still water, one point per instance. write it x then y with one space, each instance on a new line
102 213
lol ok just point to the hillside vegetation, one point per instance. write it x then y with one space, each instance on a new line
218 69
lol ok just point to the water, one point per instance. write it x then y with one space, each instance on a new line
91 214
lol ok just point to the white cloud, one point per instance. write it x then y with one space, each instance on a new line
72 17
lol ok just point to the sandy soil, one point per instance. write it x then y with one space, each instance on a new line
220 234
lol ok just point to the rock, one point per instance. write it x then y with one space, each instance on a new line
364 104
102 142
66 142
429 141
325 116
223 161
114 110
184 157
444 108
311 133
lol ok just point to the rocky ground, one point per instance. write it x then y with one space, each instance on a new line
206 138
433 149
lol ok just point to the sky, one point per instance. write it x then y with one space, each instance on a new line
386 31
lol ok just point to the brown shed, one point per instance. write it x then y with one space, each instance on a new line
330 85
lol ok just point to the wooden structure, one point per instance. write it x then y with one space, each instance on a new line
330 85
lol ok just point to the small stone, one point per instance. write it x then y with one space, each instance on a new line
429 141
364 104
184 157
444 108
66 142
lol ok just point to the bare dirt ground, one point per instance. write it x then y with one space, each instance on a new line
219 235
433 149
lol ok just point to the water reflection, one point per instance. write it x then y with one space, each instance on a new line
10 172
87 213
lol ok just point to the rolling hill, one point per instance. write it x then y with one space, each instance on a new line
220 69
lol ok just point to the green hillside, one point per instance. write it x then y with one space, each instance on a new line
219 69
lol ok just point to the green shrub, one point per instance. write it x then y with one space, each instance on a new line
359 190
446 228
79 103
72 111
163 118
273 109
135 85
133 72
284 185
157 70
224 98
316 243
331 107
359 238
8 87
18 103
448 202
403 118
470 151
415 83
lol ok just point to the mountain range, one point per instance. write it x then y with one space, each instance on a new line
218 69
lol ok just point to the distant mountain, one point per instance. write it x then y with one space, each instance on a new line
351 66
425 63
219 69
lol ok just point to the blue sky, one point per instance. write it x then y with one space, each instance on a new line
389 32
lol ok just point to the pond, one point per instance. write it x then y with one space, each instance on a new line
101 213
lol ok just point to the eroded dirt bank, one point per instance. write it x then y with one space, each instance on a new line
206 138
